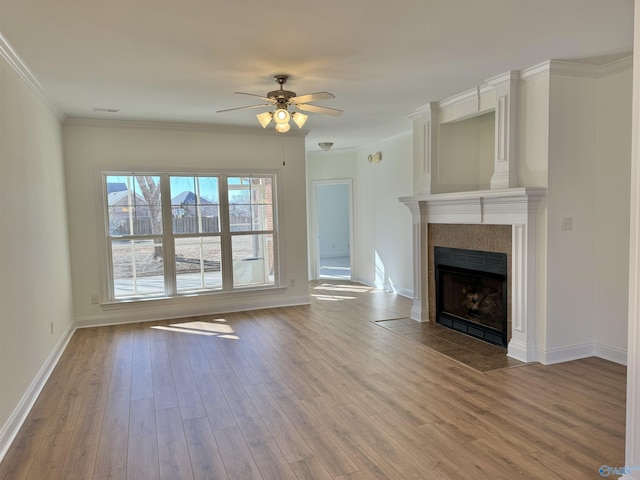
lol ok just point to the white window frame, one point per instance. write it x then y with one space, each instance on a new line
225 235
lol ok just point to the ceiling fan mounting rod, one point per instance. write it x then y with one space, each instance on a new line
281 79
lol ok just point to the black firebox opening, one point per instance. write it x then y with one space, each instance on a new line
471 293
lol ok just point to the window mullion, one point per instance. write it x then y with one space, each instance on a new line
168 247
225 235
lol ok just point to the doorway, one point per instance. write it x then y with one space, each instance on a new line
334 229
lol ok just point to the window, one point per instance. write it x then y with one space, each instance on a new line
176 234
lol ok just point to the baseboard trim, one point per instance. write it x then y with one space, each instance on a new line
565 354
520 351
405 292
363 282
419 313
575 352
613 354
10 429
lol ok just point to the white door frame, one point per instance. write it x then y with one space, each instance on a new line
314 251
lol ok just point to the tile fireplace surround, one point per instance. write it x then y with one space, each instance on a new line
515 207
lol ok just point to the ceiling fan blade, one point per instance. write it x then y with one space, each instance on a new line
242 108
258 96
317 109
312 97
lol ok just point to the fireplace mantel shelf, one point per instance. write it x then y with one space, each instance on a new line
474 196
478 206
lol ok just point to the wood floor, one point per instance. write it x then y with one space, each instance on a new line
313 392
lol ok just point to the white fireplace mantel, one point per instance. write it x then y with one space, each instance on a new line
512 206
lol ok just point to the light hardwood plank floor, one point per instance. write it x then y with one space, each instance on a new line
310 392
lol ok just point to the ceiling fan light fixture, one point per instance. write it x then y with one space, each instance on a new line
265 118
299 118
280 100
281 116
282 127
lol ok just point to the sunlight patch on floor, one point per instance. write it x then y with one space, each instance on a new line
343 288
332 298
218 327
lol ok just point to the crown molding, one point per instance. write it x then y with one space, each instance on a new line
617 66
423 110
15 62
470 94
512 77
573 69
576 69
535 71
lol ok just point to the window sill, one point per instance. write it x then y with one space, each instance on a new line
193 297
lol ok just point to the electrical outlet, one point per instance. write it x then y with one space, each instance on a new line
293 282
95 299
567 224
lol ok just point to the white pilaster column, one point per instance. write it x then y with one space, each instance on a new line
425 146
420 308
505 173
522 345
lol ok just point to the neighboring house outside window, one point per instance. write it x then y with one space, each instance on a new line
176 234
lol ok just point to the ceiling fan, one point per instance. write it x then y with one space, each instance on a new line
282 99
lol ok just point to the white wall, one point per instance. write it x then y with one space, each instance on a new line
611 212
589 151
35 281
572 156
91 147
383 224
331 166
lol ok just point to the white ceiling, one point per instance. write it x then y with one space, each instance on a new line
180 61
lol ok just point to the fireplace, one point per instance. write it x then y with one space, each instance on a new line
471 292
515 208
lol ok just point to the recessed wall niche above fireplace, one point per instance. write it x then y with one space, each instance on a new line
471 292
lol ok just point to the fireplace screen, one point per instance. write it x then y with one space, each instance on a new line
471 294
